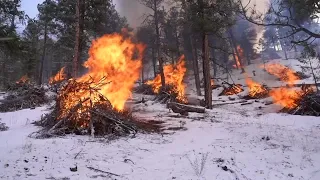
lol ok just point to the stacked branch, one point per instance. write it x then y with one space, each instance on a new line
23 96
144 89
91 114
308 105
169 94
231 89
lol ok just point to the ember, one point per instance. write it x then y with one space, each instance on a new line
60 76
174 75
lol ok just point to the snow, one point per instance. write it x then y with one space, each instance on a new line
229 142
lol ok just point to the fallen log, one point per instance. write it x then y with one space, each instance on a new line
236 102
182 108
298 85
246 103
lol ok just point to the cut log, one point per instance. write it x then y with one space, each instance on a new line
182 108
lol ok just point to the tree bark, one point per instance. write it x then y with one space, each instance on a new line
206 72
78 38
154 62
195 65
43 53
160 59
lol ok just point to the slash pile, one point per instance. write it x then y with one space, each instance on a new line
22 96
231 89
308 104
93 114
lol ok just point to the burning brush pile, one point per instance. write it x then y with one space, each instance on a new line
22 95
294 100
174 91
95 102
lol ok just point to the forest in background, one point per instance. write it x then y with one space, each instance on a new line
210 33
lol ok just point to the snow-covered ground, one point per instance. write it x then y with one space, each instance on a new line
229 142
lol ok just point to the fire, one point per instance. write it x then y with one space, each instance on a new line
113 67
232 89
255 89
174 75
240 52
23 79
287 97
60 76
284 73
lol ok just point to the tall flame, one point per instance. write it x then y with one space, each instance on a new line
113 67
174 75
60 76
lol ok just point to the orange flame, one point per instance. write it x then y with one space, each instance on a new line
286 96
60 76
232 89
255 89
284 73
23 79
113 67
174 75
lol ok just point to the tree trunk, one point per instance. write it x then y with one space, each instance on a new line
154 63
78 39
234 57
195 65
214 62
226 61
206 72
43 53
156 21
177 44
284 50
233 42
248 58
142 75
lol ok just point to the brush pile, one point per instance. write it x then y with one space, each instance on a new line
145 89
169 94
308 105
23 96
231 89
89 113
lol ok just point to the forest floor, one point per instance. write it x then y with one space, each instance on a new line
229 142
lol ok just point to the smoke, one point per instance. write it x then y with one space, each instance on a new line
133 10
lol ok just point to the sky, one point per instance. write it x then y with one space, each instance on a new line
30 7
131 9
